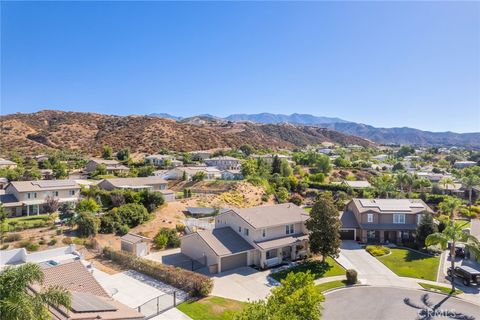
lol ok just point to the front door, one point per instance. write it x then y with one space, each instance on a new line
286 253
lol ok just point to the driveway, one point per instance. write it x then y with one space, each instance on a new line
371 303
370 270
243 284
175 258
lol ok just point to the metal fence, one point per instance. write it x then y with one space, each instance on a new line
192 224
159 305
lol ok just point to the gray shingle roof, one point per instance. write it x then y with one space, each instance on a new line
391 205
44 185
283 241
140 181
224 241
348 220
267 216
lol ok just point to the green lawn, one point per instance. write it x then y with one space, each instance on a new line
408 263
308 209
211 308
432 287
331 285
317 268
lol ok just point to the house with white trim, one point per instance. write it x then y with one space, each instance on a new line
263 236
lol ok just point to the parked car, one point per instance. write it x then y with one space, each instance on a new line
467 274
459 252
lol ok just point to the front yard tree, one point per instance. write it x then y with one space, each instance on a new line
470 180
425 228
87 224
107 152
295 299
324 227
453 233
276 165
18 302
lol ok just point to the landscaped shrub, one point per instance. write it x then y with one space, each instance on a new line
52 242
32 247
326 186
123 229
180 227
376 250
194 283
166 238
133 214
12 237
351 276
87 224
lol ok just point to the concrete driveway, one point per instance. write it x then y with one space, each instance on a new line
371 303
243 284
370 270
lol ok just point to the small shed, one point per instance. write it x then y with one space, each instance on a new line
135 244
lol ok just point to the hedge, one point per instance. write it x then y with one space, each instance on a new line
196 284
330 187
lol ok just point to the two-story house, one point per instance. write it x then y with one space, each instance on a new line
111 166
380 220
30 197
223 163
139 183
262 236
163 160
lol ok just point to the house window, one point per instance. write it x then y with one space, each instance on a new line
371 234
240 229
245 231
72 192
419 218
399 218
264 233
370 217
55 193
289 229
271 253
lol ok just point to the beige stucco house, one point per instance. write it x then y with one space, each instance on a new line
112 166
379 220
139 183
30 197
262 236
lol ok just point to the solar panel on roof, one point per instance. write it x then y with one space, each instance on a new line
54 183
86 302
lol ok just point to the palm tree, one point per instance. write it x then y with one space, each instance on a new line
18 301
445 182
469 181
384 184
422 184
405 180
453 233
450 206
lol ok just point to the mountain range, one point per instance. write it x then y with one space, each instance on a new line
403 135
32 133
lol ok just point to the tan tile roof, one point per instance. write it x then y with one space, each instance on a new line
280 242
73 276
140 181
267 216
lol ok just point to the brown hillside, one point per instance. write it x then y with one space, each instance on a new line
88 132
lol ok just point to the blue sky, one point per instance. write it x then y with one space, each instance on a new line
386 64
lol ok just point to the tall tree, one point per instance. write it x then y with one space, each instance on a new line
450 206
324 227
276 165
453 233
470 180
107 152
18 302
425 228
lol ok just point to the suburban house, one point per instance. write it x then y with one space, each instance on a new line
380 157
379 220
262 236
139 183
223 163
112 166
464 164
354 184
200 155
163 160
232 175
7 164
210 173
89 298
30 197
